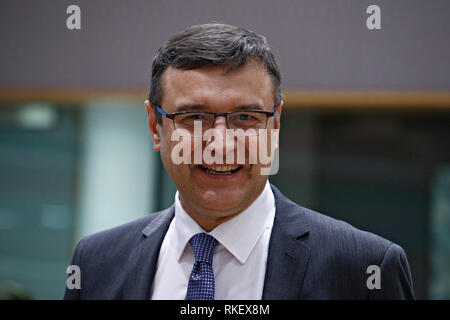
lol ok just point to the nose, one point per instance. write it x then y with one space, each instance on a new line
227 144
219 122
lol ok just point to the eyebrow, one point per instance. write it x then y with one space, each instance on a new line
252 106
191 107
201 107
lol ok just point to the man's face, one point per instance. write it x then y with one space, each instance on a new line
214 196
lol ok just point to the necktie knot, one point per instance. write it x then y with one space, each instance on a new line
203 246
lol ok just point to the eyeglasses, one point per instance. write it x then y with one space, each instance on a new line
252 119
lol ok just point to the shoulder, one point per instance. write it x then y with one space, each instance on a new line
331 236
335 232
122 237
341 257
351 255
105 258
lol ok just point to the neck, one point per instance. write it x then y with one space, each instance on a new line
208 218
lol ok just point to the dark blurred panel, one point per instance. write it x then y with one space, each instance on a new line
37 156
440 235
373 170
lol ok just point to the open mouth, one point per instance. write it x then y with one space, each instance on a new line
221 170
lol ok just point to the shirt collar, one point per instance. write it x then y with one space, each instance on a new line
238 235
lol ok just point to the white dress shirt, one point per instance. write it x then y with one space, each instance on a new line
240 257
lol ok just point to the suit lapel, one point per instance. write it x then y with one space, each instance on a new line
288 257
144 257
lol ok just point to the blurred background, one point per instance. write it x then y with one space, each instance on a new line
365 129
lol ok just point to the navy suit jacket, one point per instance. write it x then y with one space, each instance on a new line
311 256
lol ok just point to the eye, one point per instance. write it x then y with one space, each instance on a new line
194 117
244 116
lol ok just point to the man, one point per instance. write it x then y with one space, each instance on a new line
230 234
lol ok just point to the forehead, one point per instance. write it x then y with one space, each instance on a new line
216 88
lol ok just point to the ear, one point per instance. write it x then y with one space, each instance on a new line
277 122
153 125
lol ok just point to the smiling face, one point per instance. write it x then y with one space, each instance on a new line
211 198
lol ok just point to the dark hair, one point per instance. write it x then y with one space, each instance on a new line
212 44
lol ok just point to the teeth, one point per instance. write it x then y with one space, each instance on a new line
221 168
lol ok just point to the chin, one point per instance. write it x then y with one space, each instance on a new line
221 200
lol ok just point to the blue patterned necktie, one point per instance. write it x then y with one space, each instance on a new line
201 281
